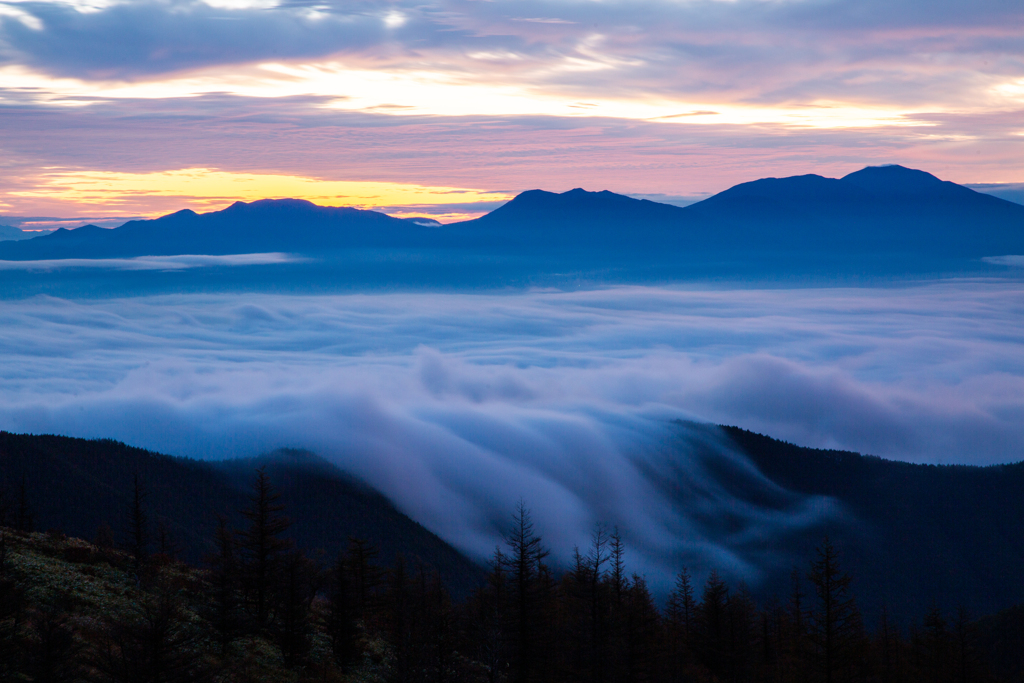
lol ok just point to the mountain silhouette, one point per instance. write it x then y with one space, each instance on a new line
79 485
911 535
9 233
883 212
268 225
880 209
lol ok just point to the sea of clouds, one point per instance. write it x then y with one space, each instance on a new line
458 405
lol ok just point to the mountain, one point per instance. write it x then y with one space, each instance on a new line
580 220
288 225
916 535
77 485
911 536
882 209
888 217
9 233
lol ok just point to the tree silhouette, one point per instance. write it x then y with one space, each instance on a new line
835 629
524 563
262 548
223 596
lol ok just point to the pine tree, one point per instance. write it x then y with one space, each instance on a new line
618 570
299 585
262 549
365 576
223 602
641 628
836 631
342 623
486 620
712 620
595 575
681 615
966 658
933 648
524 563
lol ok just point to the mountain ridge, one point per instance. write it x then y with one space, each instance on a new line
905 520
886 212
78 485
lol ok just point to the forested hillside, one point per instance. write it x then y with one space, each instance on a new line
83 488
259 610
916 535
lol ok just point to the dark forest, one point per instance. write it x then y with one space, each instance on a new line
125 607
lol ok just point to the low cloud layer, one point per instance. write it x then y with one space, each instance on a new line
181 262
456 405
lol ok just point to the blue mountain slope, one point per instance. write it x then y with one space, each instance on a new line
881 209
877 213
9 233
288 225
577 219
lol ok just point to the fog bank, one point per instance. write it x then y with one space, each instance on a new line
457 405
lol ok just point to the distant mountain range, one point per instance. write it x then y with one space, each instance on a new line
10 233
887 212
910 535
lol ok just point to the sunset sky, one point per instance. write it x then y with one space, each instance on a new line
113 109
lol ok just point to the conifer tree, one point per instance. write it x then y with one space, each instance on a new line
712 624
342 623
224 595
681 615
486 620
794 648
595 574
262 549
299 585
835 629
933 648
524 563
641 628
618 568
966 658
365 576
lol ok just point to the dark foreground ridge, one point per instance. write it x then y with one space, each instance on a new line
83 487
915 535
887 219
256 609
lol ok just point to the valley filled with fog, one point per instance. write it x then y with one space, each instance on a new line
457 405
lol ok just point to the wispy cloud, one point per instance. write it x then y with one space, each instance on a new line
690 97
182 262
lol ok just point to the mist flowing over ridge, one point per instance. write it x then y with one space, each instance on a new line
455 405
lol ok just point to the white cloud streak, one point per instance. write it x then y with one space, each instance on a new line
182 262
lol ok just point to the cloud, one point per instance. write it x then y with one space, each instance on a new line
455 405
1013 260
898 56
300 137
1011 192
182 262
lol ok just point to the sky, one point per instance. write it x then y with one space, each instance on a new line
455 405
112 109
